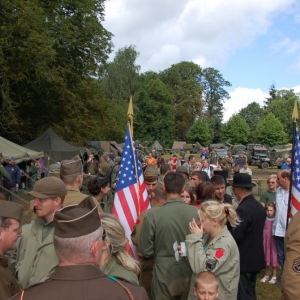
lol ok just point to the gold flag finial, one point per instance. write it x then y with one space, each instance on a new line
130 115
295 111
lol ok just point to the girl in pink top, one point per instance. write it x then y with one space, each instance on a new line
271 255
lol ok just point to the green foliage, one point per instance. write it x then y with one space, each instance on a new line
270 131
154 118
236 130
200 132
252 114
282 107
213 97
49 51
120 78
187 103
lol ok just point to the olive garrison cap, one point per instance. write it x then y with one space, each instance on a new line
11 210
150 173
77 220
49 187
159 188
70 167
54 170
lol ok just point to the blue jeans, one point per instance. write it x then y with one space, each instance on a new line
280 249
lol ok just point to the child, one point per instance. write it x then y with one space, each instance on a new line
271 255
206 286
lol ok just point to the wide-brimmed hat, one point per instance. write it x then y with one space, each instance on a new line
242 180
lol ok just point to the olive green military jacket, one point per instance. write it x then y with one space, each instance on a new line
112 268
36 259
3 173
221 257
162 227
8 284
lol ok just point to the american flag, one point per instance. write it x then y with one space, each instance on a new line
295 195
131 196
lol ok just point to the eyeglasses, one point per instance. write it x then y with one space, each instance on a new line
273 182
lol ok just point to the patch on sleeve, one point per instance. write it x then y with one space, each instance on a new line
211 264
296 265
138 221
219 253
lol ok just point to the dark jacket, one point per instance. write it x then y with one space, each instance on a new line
82 282
15 175
249 234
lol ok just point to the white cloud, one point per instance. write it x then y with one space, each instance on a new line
169 31
241 97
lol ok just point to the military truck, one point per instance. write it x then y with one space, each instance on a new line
192 148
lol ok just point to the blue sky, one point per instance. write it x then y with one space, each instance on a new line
253 43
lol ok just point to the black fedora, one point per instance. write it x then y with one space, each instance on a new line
242 180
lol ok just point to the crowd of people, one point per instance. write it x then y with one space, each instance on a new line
199 240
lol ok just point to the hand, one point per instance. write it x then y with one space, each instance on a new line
17 186
194 228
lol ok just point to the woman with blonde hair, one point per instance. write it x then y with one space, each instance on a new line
115 260
211 247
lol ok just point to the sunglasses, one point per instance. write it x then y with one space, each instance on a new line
103 235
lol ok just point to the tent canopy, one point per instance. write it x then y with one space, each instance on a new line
54 146
178 145
8 148
156 145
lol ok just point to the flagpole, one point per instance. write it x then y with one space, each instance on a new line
136 170
294 117
130 115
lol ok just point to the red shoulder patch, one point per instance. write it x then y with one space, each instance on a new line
219 253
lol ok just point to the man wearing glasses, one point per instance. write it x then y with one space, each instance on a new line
270 194
10 216
35 257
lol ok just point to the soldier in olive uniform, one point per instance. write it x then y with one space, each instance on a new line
3 173
291 270
104 167
161 229
78 239
147 264
10 217
71 173
35 258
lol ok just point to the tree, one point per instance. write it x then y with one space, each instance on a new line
213 97
154 118
270 131
120 78
200 132
236 130
282 108
252 114
187 102
49 51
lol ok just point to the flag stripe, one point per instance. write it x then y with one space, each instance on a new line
131 196
295 193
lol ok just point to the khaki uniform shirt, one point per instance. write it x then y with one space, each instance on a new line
8 284
221 257
113 268
291 270
36 258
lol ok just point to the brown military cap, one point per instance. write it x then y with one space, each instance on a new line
77 220
11 210
49 187
150 173
70 167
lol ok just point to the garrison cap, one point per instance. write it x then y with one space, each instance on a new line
49 187
150 173
183 169
11 210
54 170
159 188
70 167
77 220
